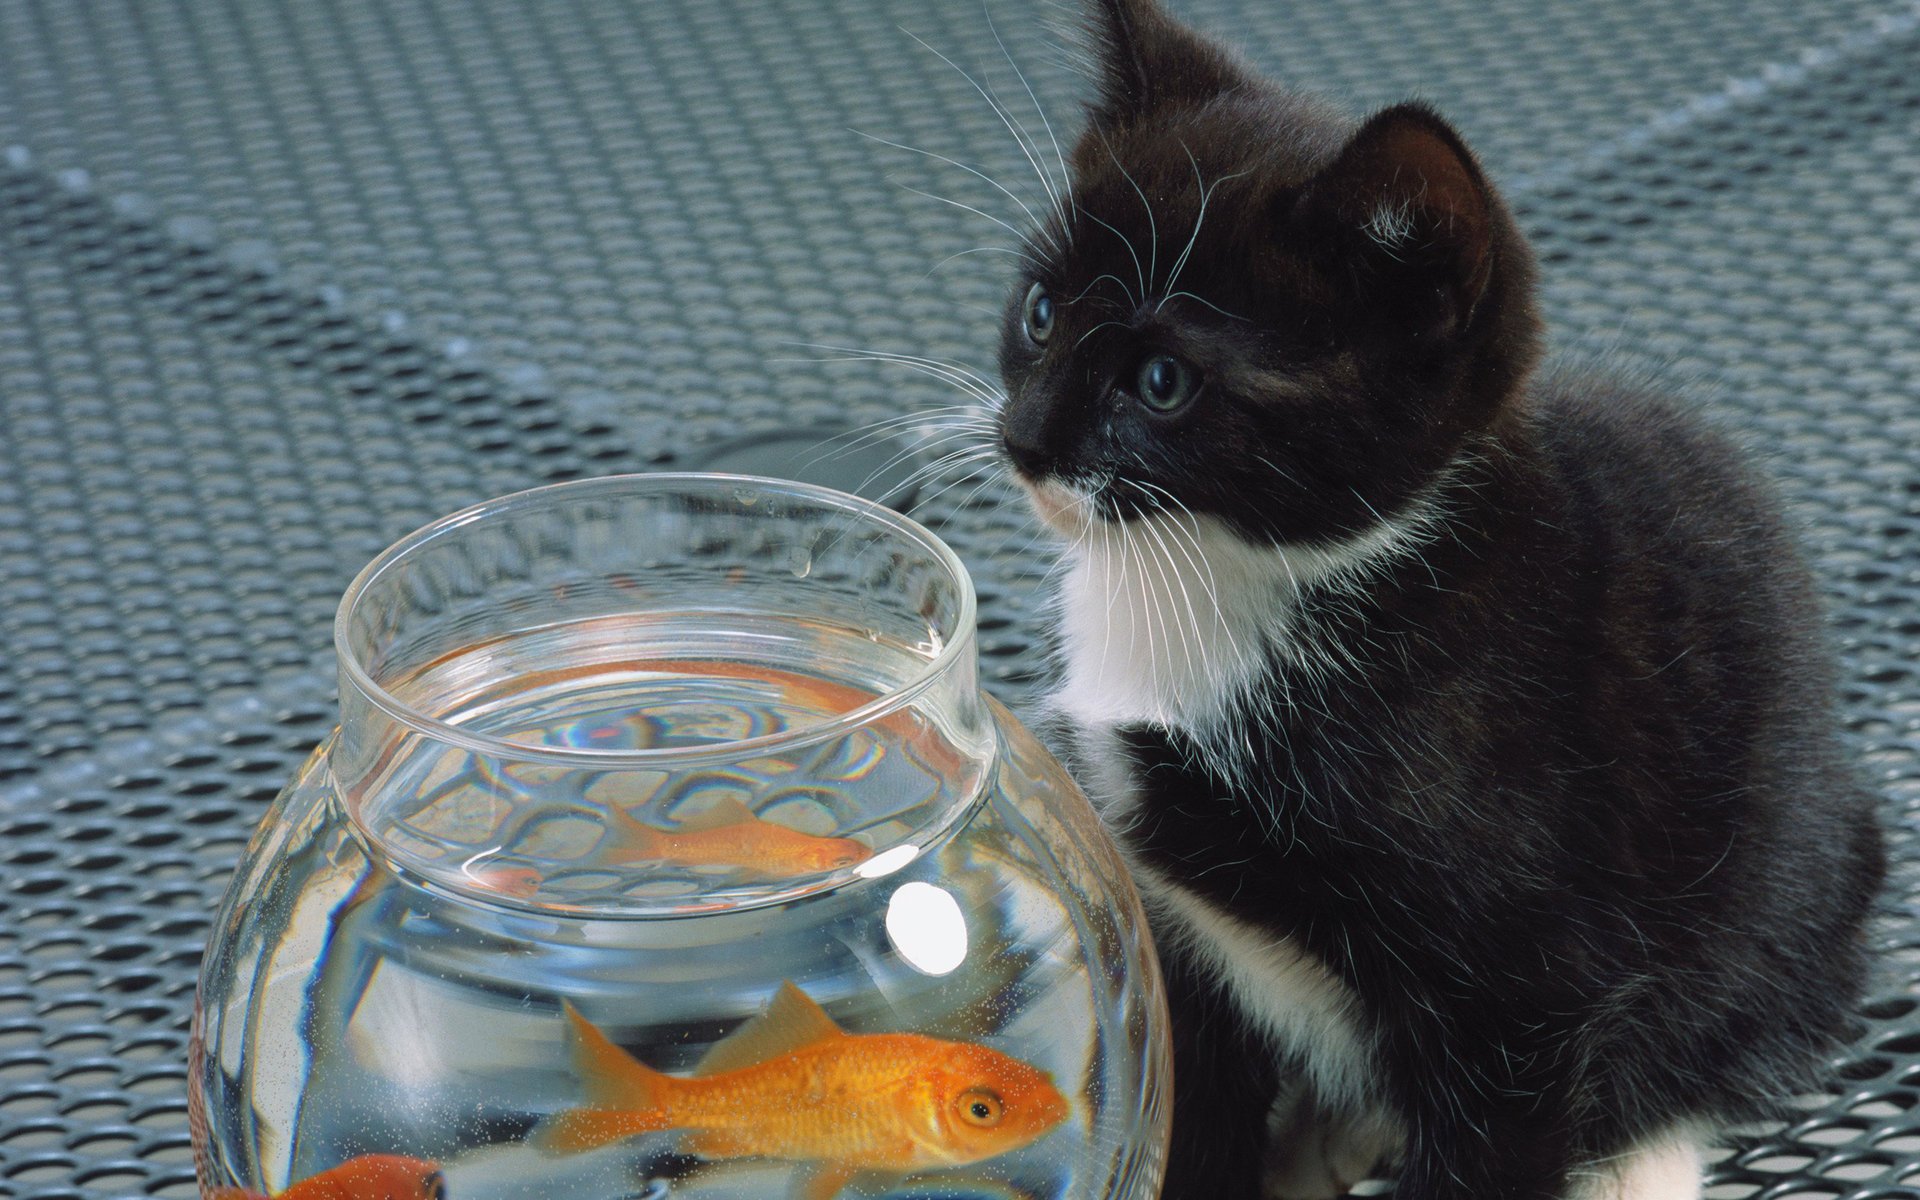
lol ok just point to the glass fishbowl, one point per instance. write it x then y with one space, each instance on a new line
668 847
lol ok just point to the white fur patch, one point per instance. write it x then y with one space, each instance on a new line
1287 992
1667 1167
1391 225
1170 619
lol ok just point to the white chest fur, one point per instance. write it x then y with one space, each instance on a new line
1165 621
1169 620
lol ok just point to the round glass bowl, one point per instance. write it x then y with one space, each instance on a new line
667 847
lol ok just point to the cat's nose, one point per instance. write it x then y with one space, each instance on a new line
1031 461
1023 435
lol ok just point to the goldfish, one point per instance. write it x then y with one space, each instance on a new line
790 1084
367 1177
520 882
729 834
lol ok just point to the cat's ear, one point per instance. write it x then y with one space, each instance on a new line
1145 59
1407 197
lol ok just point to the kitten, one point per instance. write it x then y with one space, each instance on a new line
1467 729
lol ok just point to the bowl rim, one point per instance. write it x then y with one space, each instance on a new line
855 508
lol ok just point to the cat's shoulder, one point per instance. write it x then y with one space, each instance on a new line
1668 488
1636 445
1582 411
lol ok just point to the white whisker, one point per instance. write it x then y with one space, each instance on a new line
1153 225
957 204
994 471
977 174
996 314
983 459
1198 560
880 431
1206 194
1095 282
1138 270
1022 254
1066 176
928 433
1203 300
928 472
1170 577
1096 329
1013 127
967 380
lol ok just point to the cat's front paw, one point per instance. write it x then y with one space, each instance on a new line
1316 1154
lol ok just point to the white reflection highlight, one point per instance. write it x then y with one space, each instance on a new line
887 862
926 927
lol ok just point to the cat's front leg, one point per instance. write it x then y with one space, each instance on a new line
1317 1151
1225 1079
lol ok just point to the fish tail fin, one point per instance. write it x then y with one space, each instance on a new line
624 1095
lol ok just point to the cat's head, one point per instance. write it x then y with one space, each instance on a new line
1253 307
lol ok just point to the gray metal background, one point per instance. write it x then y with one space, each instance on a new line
279 282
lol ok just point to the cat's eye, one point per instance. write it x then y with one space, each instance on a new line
1037 315
1166 382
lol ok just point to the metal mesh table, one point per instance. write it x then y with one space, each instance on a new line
280 282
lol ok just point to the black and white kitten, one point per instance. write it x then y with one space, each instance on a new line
1468 730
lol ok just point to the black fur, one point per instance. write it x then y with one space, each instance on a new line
1574 826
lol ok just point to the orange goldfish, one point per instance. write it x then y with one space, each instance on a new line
367 1177
790 1084
730 835
520 882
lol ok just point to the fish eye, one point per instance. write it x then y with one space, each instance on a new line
981 1108
1037 315
1166 382
435 1186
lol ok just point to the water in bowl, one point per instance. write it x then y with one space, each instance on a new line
416 1001
673 838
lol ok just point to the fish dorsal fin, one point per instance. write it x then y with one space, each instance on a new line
731 811
637 838
791 1021
612 1077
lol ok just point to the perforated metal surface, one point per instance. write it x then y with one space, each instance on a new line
280 282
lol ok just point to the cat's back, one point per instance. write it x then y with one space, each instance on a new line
1690 593
1649 470
1674 521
